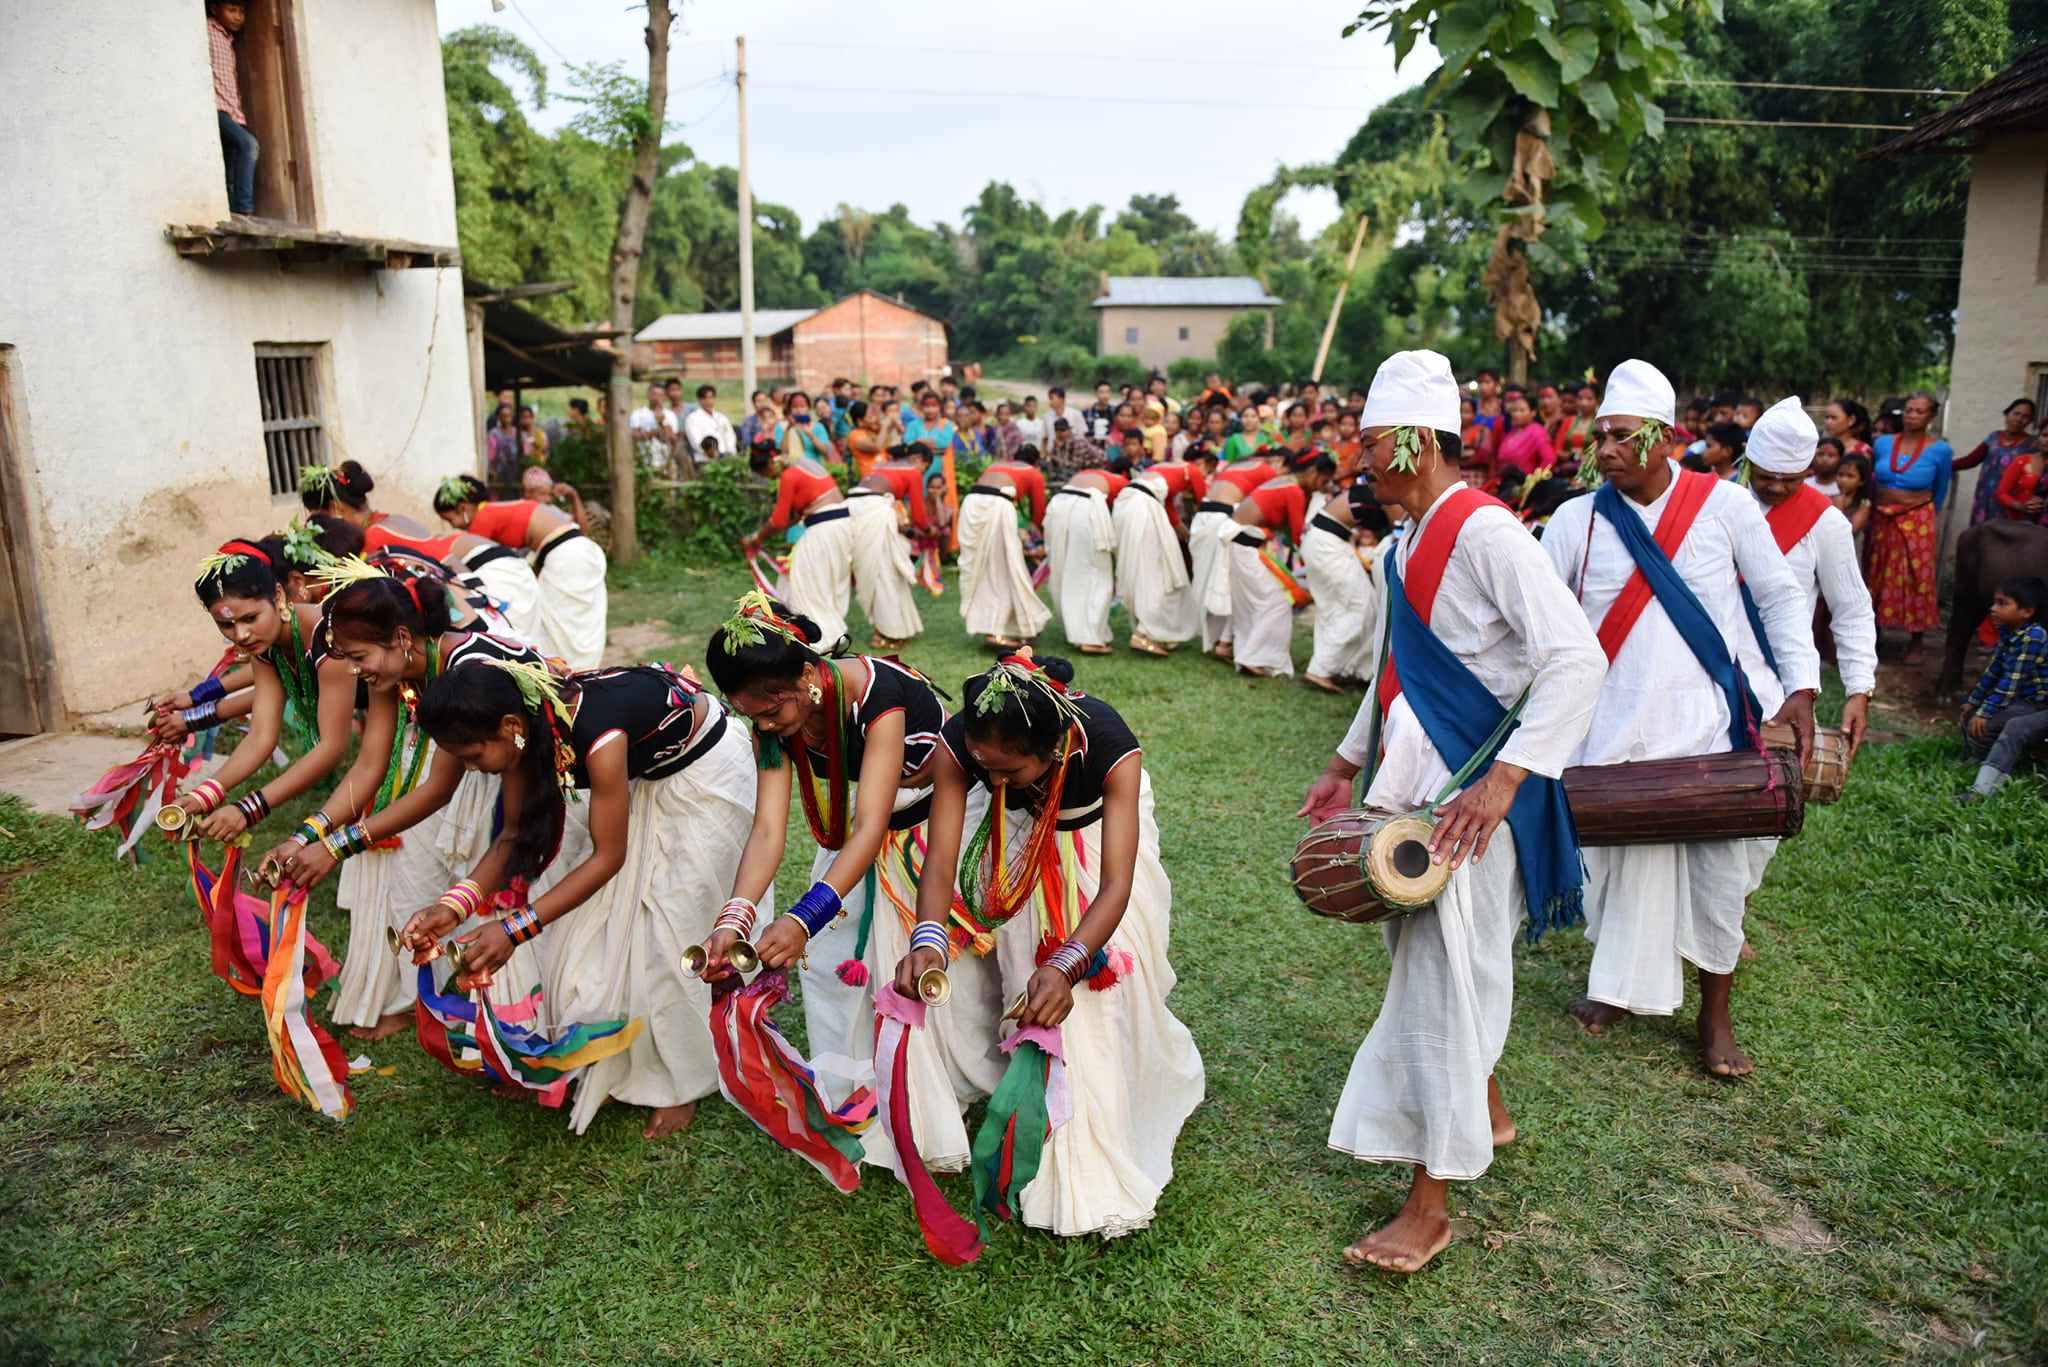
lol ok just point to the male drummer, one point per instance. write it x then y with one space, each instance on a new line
1658 558
1476 624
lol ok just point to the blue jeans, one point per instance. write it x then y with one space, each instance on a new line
238 148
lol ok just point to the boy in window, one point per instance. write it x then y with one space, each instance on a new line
238 146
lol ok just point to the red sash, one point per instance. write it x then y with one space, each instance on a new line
1796 516
1687 498
1426 570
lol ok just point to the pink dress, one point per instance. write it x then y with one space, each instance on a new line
1527 449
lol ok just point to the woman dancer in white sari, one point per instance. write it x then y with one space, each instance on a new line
997 601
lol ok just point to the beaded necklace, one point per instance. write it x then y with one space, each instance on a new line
991 897
408 697
301 688
828 829
1892 457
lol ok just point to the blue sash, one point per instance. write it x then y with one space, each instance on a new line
1695 627
1459 715
1756 628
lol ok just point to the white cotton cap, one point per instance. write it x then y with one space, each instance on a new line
1413 389
1783 440
1638 389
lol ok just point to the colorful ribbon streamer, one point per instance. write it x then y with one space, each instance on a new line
951 1239
308 1063
468 1033
128 796
767 570
238 927
1029 1103
774 1086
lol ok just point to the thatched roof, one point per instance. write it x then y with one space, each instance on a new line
2013 101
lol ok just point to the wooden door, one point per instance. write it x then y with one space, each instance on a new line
24 708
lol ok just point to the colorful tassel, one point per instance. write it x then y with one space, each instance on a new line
852 972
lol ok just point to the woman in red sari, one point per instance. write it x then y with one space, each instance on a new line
1913 472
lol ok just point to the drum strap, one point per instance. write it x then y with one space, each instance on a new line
1655 574
1789 522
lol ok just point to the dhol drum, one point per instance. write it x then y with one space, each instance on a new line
1827 769
1733 795
1364 866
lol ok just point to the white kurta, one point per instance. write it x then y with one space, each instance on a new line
1209 584
821 575
1650 909
573 602
1347 612
884 576
620 953
1824 565
996 597
1261 611
1132 1067
1151 575
1079 543
1417 1088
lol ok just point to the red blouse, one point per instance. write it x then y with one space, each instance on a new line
797 490
1245 475
505 523
1030 482
1282 503
377 536
907 483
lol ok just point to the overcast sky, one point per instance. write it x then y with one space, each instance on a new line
923 103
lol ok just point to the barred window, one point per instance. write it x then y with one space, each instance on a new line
294 431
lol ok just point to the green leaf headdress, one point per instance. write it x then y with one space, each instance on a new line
301 548
230 557
341 571
1407 446
1647 439
316 479
1022 678
453 490
754 619
541 693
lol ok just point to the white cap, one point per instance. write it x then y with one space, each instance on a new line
1638 389
1413 389
1783 439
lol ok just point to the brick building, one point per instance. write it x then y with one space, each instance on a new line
865 337
1161 319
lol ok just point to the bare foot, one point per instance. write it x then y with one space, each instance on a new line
1095 650
1748 954
1719 1053
1497 1112
1223 651
1594 1017
1317 681
1404 1244
668 1120
383 1029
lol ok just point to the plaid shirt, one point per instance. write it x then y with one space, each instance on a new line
2018 672
227 90
1063 460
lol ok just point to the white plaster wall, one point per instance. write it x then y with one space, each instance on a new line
2002 303
133 368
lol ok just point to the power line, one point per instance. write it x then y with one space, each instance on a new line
1790 123
546 42
1796 85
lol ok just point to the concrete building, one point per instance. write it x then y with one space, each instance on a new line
1161 318
164 369
2002 302
865 337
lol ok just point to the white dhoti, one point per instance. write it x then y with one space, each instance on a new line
572 605
1347 609
1132 1067
1151 575
1652 909
953 1060
1417 1088
821 572
996 597
620 953
1079 543
508 581
884 575
1261 610
1209 584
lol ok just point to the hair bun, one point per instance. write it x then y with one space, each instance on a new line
1059 670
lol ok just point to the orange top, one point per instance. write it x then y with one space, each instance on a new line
1282 503
1245 475
797 490
505 523
866 449
377 536
1182 477
1030 482
907 483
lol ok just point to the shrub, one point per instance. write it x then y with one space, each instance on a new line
1119 371
706 517
1185 375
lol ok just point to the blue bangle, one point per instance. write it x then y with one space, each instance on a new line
930 935
816 908
200 717
208 689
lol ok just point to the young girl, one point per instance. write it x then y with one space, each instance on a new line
855 736
670 798
2023 489
567 577
1063 871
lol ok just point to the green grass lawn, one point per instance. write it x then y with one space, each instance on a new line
1879 1191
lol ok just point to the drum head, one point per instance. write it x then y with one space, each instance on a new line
1399 862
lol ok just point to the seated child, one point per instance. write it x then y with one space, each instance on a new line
2008 709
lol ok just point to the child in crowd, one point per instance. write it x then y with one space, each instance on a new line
1827 459
2007 712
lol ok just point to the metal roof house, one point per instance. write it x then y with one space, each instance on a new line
2002 299
866 337
1161 318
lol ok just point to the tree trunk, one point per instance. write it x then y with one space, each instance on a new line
634 208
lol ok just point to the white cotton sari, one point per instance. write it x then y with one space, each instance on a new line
884 574
1079 543
1151 575
572 603
996 597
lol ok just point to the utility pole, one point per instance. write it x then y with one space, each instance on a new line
746 226
1337 304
